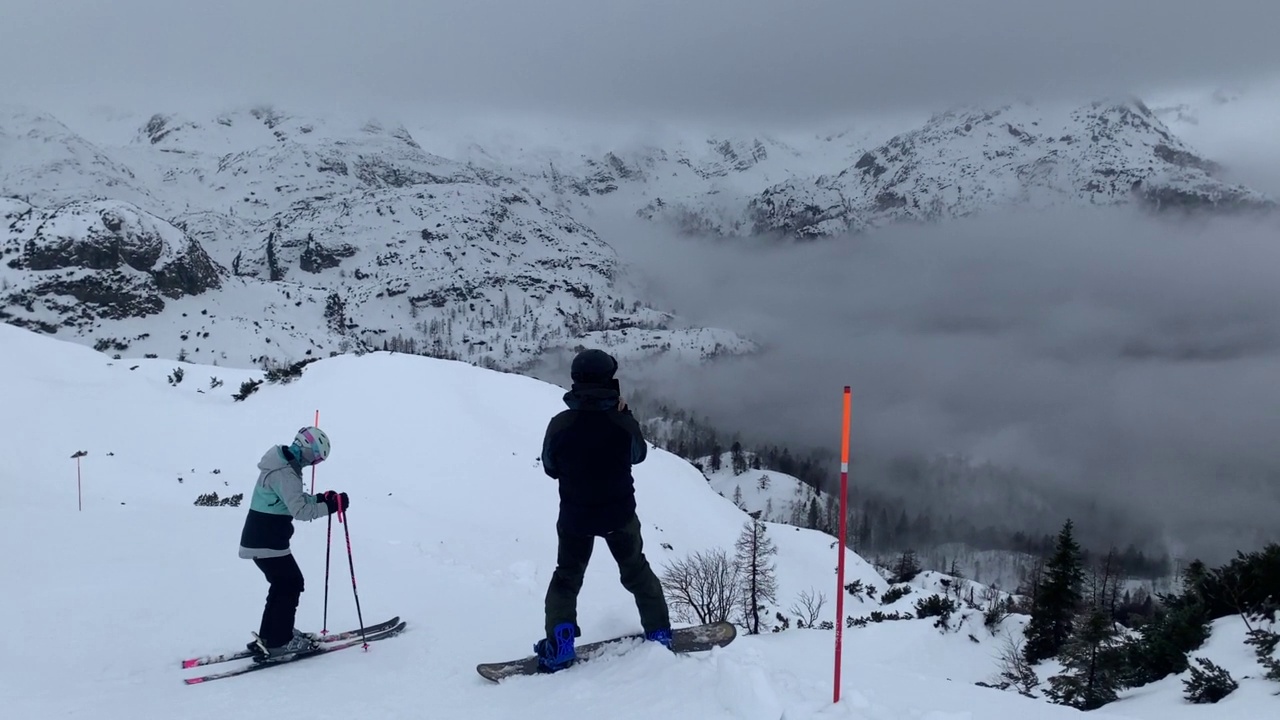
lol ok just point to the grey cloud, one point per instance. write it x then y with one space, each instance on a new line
771 61
1115 357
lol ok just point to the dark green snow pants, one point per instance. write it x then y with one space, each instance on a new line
637 577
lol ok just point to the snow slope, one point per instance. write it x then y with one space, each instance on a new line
450 526
42 160
777 496
1226 648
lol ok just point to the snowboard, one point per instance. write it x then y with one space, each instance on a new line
699 638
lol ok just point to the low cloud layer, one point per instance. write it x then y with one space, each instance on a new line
666 59
1130 360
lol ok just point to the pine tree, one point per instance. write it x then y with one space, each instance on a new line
1264 644
1179 627
906 568
1092 665
797 513
1093 660
831 514
1057 600
863 535
902 531
786 463
922 530
815 515
738 459
754 550
737 497
885 540
1208 685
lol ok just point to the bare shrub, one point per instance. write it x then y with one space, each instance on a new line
706 586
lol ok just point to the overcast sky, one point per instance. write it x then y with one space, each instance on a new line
769 60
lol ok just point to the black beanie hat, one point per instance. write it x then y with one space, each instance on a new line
593 366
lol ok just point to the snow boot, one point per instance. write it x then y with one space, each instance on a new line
662 636
256 646
300 642
556 653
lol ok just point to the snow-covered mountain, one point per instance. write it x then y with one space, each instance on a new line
44 162
638 172
1234 125
967 161
299 238
304 236
449 533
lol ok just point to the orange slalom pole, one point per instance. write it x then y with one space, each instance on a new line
844 500
313 467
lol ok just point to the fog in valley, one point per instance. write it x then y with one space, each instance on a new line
1108 356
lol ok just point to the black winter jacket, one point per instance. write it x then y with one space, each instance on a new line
590 449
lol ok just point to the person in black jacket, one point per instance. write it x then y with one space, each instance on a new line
590 448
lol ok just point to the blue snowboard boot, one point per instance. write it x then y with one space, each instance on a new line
660 636
556 653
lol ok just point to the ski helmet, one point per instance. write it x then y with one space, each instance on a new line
593 366
311 445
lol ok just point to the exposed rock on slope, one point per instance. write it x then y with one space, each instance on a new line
87 261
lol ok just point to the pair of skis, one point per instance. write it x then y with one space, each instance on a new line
329 643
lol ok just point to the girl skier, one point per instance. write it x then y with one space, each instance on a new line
278 499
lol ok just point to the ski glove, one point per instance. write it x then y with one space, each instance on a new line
331 499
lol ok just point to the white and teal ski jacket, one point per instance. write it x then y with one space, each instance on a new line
278 499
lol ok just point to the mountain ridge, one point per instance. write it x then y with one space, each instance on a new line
967 161
403 243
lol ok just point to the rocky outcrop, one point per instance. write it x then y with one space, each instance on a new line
100 260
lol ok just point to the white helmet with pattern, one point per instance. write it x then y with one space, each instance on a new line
311 445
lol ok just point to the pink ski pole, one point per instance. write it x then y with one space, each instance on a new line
346 528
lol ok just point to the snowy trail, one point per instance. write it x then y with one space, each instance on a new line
122 595
451 528
120 634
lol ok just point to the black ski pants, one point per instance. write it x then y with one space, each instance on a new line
627 548
286 585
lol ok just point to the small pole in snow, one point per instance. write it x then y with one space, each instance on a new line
313 467
844 499
79 495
